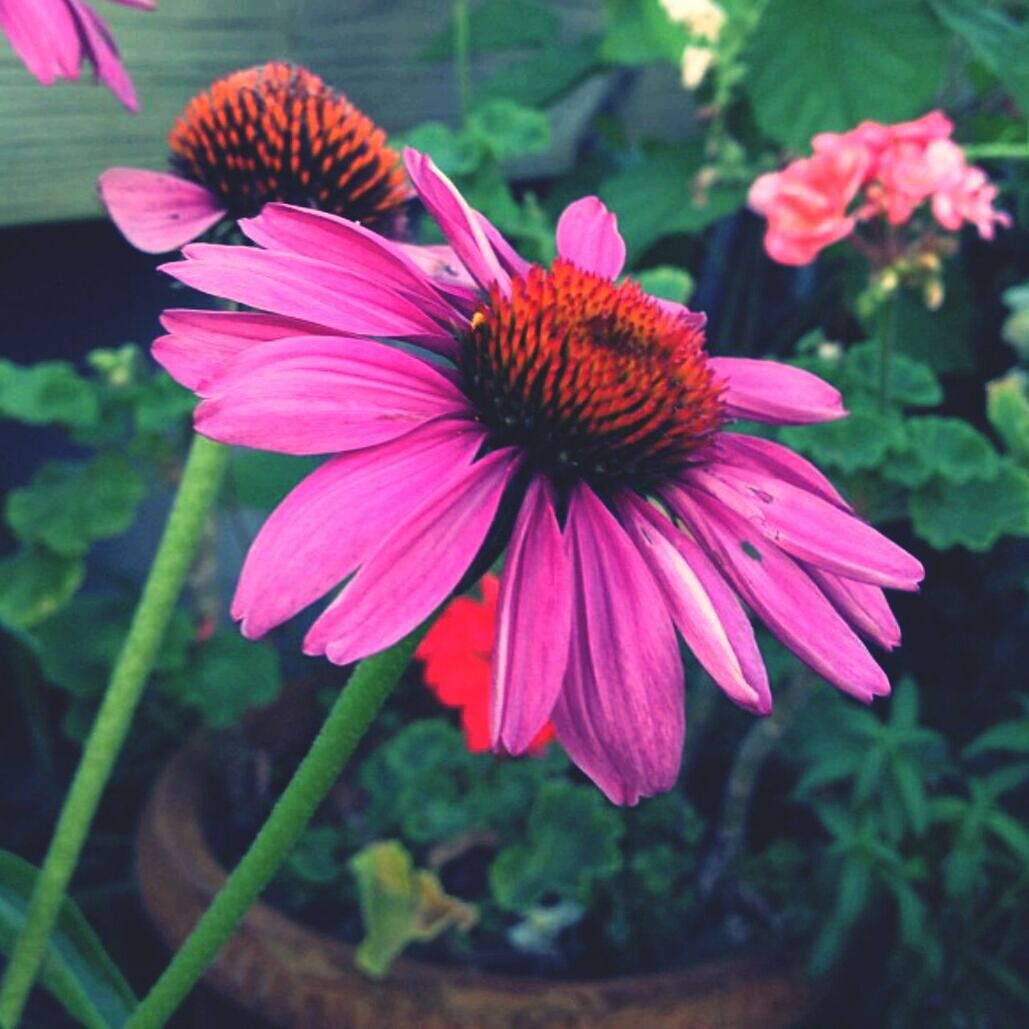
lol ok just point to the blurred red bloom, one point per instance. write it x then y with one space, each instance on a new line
457 652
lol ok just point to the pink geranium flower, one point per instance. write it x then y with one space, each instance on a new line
53 36
275 132
571 419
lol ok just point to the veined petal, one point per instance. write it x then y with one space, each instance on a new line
703 607
156 211
864 606
323 395
621 713
335 518
782 594
810 528
458 222
767 391
588 236
301 287
534 620
416 566
201 344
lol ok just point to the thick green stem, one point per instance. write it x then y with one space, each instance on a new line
462 59
887 324
201 478
355 709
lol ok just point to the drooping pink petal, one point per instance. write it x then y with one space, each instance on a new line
458 222
300 287
588 236
323 395
98 45
45 35
768 391
416 566
512 262
764 456
862 605
534 620
156 211
703 607
810 528
621 713
334 519
782 594
201 344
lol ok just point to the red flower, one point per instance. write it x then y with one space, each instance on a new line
456 653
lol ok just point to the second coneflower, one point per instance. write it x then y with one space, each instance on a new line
275 132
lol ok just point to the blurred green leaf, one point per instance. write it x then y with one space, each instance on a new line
940 338
262 479
76 969
911 383
973 514
497 25
1011 736
949 448
47 393
544 75
35 584
666 282
507 129
1007 407
456 153
861 440
640 32
317 856
69 504
825 65
573 838
1016 327
400 904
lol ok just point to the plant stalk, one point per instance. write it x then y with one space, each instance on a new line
887 326
462 58
201 478
351 715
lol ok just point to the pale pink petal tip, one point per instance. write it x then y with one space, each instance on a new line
157 212
588 236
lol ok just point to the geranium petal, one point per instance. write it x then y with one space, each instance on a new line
621 714
323 395
588 236
534 619
767 391
416 566
335 518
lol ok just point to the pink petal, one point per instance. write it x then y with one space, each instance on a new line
588 236
810 528
300 287
140 5
863 606
334 519
324 394
448 275
779 591
155 211
45 35
99 47
768 391
510 259
621 714
703 607
417 565
752 453
459 223
534 621
202 344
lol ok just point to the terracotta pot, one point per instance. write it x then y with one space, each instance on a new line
299 978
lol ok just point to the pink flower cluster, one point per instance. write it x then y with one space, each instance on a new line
872 171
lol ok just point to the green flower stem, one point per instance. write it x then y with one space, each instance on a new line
351 715
887 325
201 478
997 151
462 44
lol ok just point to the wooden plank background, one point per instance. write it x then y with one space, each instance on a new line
54 142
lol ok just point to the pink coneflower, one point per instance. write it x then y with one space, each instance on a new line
53 36
275 132
574 420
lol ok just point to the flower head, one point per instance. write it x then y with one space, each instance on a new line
573 423
275 132
457 652
53 36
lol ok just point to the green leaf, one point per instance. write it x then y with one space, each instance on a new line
507 129
910 383
1016 327
76 969
652 197
69 504
316 857
163 405
859 441
952 449
543 76
261 479
640 32
573 838
666 282
497 25
995 39
938 338
1011 736
974 514
400 904
825 65
1012 833
35 584
47 393
229 677
1007 407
